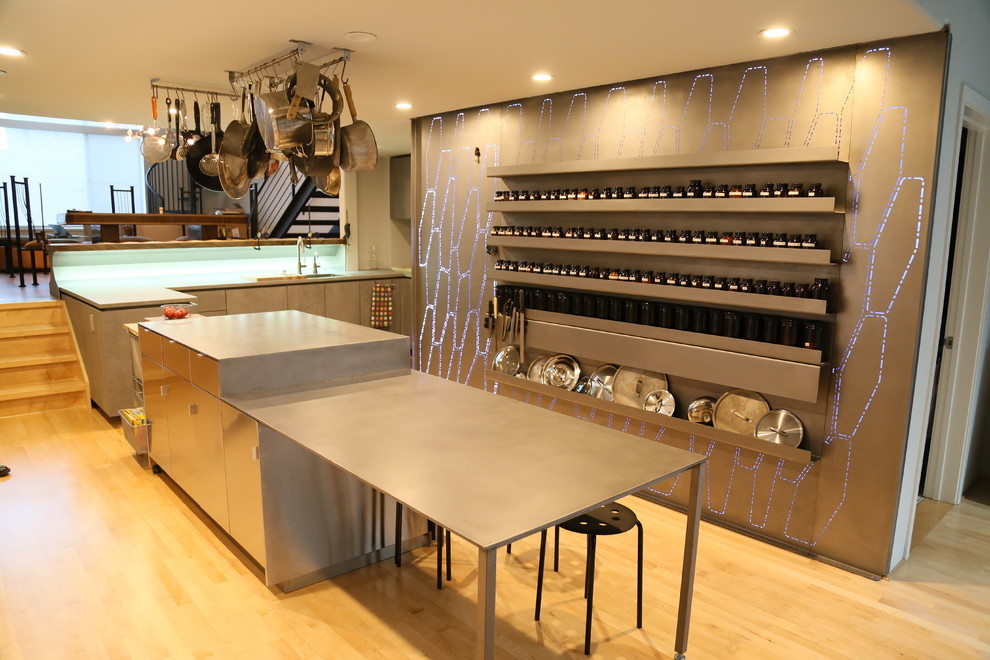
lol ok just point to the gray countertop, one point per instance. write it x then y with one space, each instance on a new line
265 333
490 469
110 293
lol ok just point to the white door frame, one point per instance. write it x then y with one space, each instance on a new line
968 318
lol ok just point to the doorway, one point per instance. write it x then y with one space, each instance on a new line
957 449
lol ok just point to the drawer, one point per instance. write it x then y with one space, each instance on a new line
176 358
151 344
210 300
204 373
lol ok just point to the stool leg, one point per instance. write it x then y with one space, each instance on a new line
508 549
556 547
639 578
587 554
398 534
539 575
448 554
440 536
591 593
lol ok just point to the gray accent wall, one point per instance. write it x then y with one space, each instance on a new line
879 105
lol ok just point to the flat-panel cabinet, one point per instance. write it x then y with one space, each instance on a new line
156 410
242 460
343 301
251 300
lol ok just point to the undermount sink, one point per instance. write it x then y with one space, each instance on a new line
275 277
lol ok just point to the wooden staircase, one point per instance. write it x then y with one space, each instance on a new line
40 367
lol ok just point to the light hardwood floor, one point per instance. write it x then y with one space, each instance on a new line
101 559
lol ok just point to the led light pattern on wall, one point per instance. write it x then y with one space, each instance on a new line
792 102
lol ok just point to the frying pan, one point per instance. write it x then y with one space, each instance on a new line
241 141
357 141
196 153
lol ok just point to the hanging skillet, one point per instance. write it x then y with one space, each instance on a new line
197 152
239 141
357 141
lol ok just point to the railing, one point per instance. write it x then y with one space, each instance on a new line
170 187
273 198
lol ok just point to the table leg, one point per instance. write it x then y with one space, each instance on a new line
485 644
690 559
110 233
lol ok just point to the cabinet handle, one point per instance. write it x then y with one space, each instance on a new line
256 453
193 409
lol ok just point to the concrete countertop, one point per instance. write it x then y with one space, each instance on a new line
264 333
163 288
490 469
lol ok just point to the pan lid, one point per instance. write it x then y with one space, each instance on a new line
506 361
562 371
535 371
781 427
701 410
739 411
631 385
659 401
601 379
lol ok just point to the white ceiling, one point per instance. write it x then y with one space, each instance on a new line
94 60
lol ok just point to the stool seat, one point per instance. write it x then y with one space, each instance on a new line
607 520
612 518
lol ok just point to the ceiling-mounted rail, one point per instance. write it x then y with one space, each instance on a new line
157 87
281 67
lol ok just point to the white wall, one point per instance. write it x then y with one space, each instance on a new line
969 54
373 225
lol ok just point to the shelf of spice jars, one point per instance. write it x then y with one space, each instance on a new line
800 354
760 205
704 159
786 255
806 307
769 376
791 454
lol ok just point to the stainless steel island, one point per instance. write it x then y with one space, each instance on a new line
487 468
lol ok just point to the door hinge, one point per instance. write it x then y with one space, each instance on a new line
947 342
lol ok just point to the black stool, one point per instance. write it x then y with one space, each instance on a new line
442 536
608 519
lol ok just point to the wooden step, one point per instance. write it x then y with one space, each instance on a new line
42 389
47 312
36 360
33 331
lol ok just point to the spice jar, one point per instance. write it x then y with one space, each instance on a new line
760 286
749 190
721 190
815 190
781 190
752 327
685 237
664 315
644 193
709 191
788 332
673 279
766 190
647 312
716 321
811 335
779 240
684 280
719 284
810 241
699 319
665 192
819 290
678 192
693 189
800 290
499 195
795 241
773 288
583 193
707 281
766 239
682 317
796 190
752 239
654 192
606 193
745 285
731 326
787 289
736 191
630 193
711 238
725 239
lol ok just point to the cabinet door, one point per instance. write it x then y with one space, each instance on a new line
309 298
206 473
178 398
344 301
155 409
242 459
250 300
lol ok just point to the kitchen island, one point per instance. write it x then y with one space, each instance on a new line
104 288
334 437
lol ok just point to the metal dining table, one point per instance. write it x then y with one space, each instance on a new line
489 469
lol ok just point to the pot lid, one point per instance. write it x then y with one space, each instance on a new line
739 411
601 382
701 410
506 361
631 386
535 371
562 371
781 427
659 401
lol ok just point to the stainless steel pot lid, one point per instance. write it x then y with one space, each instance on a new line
631 386
659 401
739 411
781 427
506 361
562 371
601 381
701 410
535 371
583 385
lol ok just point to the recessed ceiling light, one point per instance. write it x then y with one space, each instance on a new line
2 72
403 106
775 33
7 50
542 77
360 37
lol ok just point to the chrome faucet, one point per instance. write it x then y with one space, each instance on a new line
300 248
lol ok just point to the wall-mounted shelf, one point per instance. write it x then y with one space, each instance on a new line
794 380
800 456
806 307
718 342
705 205
703 159
684 250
